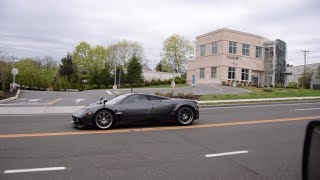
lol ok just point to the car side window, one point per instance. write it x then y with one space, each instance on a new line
152 98
135 99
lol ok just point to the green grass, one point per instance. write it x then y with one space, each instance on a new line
166 86
259 93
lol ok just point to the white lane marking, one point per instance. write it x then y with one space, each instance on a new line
33 100
78 100
34 170
109 92
306 109
253 106
226 153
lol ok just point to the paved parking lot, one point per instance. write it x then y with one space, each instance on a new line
40 98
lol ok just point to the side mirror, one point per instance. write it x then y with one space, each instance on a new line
311 152
103 100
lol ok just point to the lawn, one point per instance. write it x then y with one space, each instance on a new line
259 93
166 86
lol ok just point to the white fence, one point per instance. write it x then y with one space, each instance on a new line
149 75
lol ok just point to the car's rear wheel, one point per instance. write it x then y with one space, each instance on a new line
104 119
185 115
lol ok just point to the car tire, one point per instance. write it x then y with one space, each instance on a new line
103 119
185 115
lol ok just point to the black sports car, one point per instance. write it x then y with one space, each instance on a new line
136 107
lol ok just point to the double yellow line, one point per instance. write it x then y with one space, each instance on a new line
157 128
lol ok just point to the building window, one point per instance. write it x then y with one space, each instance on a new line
213 72
258 52
202 50
201 73
245 49
245 74
214 48
232 47
268 53
231 73
266 80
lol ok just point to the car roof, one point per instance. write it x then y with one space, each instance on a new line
145 94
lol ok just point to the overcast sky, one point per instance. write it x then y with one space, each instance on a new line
30 28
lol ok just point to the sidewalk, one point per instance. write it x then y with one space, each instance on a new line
259 100
39 110
70 109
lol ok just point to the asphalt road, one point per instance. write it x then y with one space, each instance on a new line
265 142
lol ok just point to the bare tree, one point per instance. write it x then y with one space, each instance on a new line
48 62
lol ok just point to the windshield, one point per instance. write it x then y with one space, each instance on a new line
117 99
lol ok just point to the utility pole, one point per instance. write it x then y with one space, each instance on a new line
305 58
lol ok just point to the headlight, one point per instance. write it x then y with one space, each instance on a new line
83 111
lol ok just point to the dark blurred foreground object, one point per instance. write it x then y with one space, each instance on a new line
311 152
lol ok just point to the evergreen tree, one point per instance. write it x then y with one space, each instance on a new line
134 74
67 67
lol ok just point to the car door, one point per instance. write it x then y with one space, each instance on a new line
160 107
135 108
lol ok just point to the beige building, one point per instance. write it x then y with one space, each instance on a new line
229 55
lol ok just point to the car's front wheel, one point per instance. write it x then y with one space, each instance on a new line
185 115
104 119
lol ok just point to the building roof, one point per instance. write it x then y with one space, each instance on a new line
299 69
231 30
145 67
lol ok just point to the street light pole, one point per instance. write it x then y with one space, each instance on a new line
119 78
115 76
173 84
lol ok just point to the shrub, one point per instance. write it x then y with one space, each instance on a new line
190 96
140 84
177 80
183 81
88 87
278 85
156 83
180 95
102 87
126 85
109 86
61 83
134 85
169 94
305 79
95 86
293 85
169 81
147 83
1 93
224 83
153 82
158 93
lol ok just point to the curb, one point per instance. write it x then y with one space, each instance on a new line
259 100
11 98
